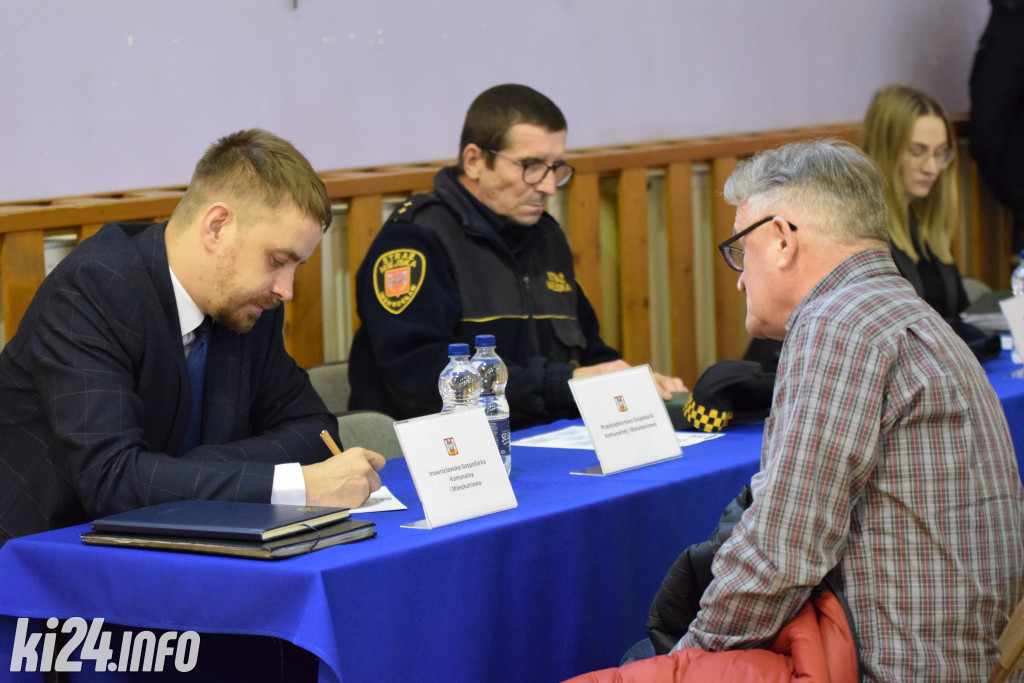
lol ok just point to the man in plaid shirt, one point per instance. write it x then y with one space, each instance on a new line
886 457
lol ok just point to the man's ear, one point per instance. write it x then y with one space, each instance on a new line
217 220
474 160
787 242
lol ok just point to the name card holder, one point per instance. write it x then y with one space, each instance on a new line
1013 309
626 419
455 467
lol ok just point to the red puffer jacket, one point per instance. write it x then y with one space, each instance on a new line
816 646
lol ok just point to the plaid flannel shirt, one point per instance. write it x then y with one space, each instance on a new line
887 455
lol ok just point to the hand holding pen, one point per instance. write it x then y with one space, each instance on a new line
345 479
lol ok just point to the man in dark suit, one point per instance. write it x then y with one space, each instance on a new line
94 386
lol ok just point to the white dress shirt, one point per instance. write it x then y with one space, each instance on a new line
289 485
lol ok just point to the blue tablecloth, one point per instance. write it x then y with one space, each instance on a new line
556 587
1007 379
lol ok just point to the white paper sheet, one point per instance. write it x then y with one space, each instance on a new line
577 437
380 500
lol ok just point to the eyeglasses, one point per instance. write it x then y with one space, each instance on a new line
535 172
734 255
919 156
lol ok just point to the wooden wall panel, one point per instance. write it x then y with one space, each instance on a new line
23 268
88 230
990 234
985 251
730 304
304 314
634 284
364 222
682 310
584 235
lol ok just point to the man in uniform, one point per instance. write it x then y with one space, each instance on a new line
479 255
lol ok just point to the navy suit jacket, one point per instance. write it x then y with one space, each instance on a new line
94 396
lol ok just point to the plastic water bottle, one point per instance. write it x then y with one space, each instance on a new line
1017 278
493 378
459 383
1017 285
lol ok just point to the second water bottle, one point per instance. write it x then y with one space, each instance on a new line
459 383
493 378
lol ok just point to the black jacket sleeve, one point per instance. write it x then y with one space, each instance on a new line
397 356
678 600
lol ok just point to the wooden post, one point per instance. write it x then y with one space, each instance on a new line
23 267
730 305
634 283
584 236
365 215
304 315
682 311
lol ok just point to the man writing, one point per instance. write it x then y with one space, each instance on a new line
886 457
97 391
479 255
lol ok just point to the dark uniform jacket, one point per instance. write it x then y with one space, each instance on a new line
443 269
94 395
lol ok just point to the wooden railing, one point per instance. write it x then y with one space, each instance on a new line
982 251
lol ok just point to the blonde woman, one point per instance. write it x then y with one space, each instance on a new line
910 138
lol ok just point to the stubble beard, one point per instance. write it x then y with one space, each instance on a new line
239 312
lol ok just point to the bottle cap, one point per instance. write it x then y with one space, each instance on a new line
485 340
458 349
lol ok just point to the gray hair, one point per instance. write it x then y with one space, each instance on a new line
830 178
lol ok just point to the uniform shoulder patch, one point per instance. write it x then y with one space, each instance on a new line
557 283
397 278
410 207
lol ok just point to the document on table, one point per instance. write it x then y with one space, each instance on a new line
380 500
577 437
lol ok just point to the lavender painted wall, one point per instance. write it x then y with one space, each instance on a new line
106 95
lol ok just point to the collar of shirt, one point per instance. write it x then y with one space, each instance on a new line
189 315
513 236
862 264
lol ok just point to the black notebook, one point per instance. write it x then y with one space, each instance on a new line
220 519
344 531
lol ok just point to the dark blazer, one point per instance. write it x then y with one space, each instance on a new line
94 396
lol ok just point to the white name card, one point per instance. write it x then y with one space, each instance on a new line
1013 309
626 419
455 467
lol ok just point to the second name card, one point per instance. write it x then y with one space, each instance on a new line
626 418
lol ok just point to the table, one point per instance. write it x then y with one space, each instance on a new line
556 587
1008 382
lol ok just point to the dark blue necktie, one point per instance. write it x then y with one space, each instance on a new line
196 364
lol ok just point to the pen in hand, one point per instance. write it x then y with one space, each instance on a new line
330 443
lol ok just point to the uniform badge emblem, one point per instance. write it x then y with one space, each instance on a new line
397 278
396 282
557 283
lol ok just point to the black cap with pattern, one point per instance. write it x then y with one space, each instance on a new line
729 390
